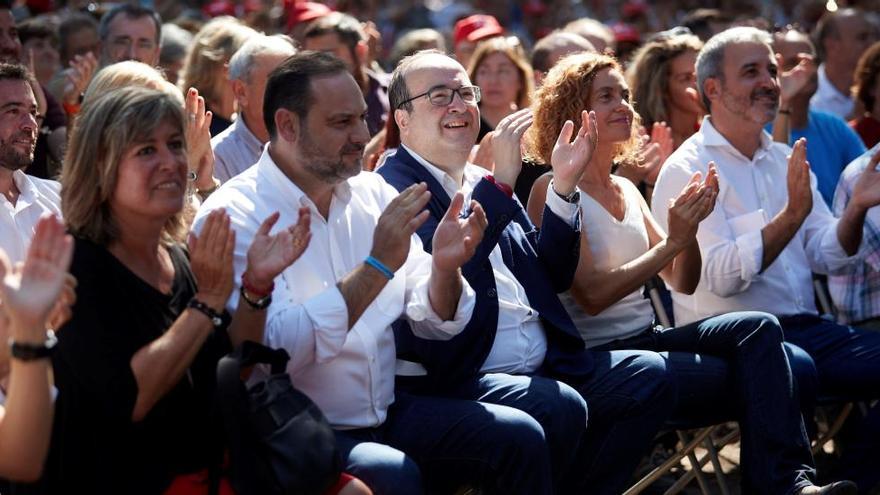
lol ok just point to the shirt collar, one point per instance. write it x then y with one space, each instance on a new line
711 137
242 129
826 89
26 188
442 177
267 168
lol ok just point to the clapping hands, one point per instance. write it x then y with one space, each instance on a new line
570 158
456 238
695 202
269 255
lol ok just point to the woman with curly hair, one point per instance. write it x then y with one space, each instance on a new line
867 91
731 365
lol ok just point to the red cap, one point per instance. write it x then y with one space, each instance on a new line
626 33
298 12
634 8
475 28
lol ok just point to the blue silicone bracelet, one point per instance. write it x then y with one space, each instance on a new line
384 270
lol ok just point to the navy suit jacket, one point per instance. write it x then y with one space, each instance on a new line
544 264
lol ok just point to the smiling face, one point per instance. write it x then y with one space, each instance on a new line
440 134
151 178
609 98
748 92
683 77
18 124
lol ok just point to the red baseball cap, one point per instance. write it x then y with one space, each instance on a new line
475 28
298 12
626 33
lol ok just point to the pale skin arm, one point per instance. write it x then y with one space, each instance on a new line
866 195
28 298
790 83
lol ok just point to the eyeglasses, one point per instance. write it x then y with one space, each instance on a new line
440 96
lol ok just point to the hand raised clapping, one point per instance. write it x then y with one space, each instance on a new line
199 154
507 145
570 158
401 218
30 293
210 255
269 255
456 239
695 202
800 192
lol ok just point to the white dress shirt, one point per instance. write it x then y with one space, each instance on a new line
348 373
235 150
18 221
752 192
829 99
520 343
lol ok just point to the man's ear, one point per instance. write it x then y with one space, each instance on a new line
402 118
239 93
287 125
712 88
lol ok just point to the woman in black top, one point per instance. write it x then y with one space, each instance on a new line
135 365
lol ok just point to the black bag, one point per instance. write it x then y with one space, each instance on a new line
279 441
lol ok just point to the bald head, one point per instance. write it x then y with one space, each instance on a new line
553 47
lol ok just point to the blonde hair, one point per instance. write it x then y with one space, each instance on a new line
514 51
563 96
211 49
128 73
105 130
649 72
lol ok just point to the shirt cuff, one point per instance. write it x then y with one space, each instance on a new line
328 314
426 323
750 247
562 208
833 253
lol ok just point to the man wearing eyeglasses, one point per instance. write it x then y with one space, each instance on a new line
519 339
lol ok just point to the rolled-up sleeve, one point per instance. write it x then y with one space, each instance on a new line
311 332
822 246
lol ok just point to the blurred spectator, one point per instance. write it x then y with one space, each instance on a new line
841 37
39 40
240 145
552 48
626 38
175 44
343 36
470 30
130 32
206 67
662 78
866 90
500 68
706 23
414 41
77 35
300 14
831 144
598 34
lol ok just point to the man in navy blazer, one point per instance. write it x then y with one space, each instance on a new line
520 339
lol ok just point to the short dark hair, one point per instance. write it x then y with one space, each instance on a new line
348 29
72 25
14 72
37 28
133 11
289 85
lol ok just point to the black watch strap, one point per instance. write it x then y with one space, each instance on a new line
30 352
219 320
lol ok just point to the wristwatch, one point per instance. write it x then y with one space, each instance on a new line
30 352
572 198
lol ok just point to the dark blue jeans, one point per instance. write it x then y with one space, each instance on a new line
848 364
735 365
429 445
558 408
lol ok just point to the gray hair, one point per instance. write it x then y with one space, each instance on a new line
710 60
175 43
242 62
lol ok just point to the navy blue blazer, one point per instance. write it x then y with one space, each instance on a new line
544 263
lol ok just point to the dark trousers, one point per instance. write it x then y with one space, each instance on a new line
848 364
736 364
429 444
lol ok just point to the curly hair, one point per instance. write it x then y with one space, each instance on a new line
648 75
867 72
564 94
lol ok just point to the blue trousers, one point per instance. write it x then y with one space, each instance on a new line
557 407
736 365
848 364
433 445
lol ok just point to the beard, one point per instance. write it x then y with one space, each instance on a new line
752 107
329 169
12 159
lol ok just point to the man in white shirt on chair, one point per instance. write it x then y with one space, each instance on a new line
771 229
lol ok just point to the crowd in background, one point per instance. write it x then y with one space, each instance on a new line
181 177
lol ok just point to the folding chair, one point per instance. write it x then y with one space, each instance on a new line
690 439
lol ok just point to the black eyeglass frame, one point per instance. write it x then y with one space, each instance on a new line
476 89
